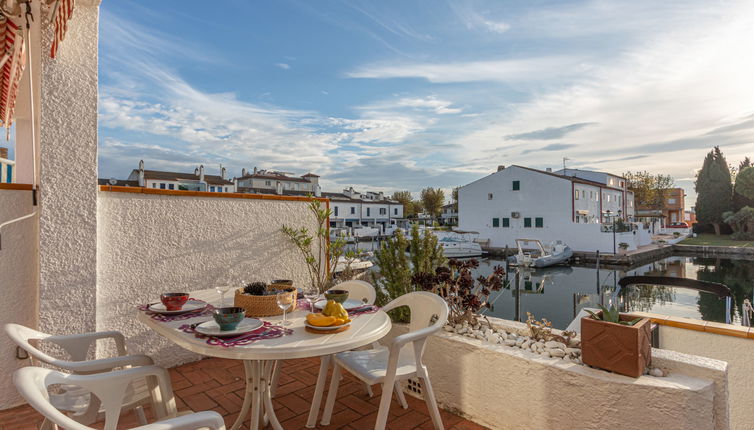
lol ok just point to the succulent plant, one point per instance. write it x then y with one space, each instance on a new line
255 289
611 315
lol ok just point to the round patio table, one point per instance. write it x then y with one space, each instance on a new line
261 357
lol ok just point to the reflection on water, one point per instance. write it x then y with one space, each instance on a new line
558 293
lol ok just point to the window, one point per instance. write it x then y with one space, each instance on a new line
353 209
226 189
527 222
671 201
383 211
368 211
212 189
268 183
162 186
516 185
496 222
489 196
576 196
539 222
395 211
621 184
597 197
506 222
336 211
171 186
154 185
219 189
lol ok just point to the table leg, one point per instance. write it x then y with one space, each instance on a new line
324 364
257 399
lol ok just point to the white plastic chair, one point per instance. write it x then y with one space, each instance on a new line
398 360
359 290
76 401
33 382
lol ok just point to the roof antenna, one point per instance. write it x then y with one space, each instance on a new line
565 172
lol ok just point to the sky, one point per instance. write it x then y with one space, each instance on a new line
401 95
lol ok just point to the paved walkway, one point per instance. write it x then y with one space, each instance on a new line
217 384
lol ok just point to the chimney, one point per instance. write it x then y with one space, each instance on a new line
4 153
201 172
381 195
255 170
243 172
317 191
196 172
500 167
142 182
549 169
222 172
278 188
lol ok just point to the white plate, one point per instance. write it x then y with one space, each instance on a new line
212 329
189 306
348 304
316 327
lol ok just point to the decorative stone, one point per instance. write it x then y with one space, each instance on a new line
556 352
520 341
553 344
448 328
574 342
491 338
510 342
573 351
545 354
656 372
526 344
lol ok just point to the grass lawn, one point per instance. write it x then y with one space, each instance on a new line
713 240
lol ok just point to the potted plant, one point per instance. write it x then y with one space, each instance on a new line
620 343
623 246
260 299
661 242
676 234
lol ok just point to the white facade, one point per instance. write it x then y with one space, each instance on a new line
278 182
198 181
522 203
353 209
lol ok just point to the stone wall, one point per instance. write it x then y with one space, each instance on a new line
153 243
18 281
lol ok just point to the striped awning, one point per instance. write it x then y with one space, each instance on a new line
63 12
13 63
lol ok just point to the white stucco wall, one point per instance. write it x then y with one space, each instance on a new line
150 243
507 388
738 352
18 282
68 153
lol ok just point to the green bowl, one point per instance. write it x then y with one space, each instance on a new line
339 296
229 318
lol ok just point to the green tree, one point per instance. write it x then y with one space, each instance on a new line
404 198
417 206
454 197
714 190
649 190
739 199
432 200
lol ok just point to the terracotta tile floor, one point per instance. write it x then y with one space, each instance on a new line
217 384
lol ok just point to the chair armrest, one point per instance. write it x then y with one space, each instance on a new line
77 345
210 419
104 364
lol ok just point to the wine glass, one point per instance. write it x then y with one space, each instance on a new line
222 287
285 300
311 294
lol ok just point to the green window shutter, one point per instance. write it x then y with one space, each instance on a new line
496 222
539 222
516 185
527 222
506 222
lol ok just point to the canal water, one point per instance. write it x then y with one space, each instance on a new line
558 293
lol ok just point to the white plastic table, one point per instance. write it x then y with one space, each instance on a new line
261 357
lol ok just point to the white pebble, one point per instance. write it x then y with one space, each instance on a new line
573 351
657 372
510 342
526 344
545 354
556 352
553 344
448 328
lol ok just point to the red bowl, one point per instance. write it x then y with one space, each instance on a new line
174 301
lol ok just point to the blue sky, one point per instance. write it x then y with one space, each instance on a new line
392 95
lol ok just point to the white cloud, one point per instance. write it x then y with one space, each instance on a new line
284 66
430 103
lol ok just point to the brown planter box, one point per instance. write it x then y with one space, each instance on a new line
622 349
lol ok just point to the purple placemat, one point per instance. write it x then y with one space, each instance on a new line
303 304
267 331
178 317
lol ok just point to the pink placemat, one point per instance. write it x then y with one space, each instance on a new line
267 331
178 317
303 304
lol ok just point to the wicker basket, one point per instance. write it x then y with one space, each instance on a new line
262 306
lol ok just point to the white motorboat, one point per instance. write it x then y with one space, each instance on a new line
357 264
457 246
556 253
366 232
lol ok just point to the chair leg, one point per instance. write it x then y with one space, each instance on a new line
385 398
275 378
401 396
140 416
368 389
48 425
429 397
332 393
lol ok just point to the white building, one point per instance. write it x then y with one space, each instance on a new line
523 203
449 214
7 168
198 181
274 182
352 209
